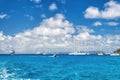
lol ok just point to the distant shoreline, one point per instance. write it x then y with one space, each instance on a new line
57 55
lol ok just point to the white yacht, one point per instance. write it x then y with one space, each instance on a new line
100 54
78 53
114 54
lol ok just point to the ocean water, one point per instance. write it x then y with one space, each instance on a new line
63 67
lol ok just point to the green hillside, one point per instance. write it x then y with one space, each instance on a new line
117 51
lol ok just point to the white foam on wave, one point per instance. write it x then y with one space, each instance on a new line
4 74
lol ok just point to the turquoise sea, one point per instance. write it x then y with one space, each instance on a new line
63 67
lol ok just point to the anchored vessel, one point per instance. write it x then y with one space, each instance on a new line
114 54
12 52
54 55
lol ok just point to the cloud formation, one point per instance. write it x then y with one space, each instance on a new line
97 23
113 23
43 16
2 16
57 35
53 7
111 11
36 1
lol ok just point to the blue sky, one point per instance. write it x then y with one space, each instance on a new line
16 21
87 18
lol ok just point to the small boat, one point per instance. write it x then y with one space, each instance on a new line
12 52
54 55
78 53
114 54
100 54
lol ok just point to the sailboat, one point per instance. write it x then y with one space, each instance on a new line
54 55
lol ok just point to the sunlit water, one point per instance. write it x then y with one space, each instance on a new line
63 67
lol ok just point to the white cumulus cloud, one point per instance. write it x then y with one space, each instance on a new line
92 12
111 11
56 34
